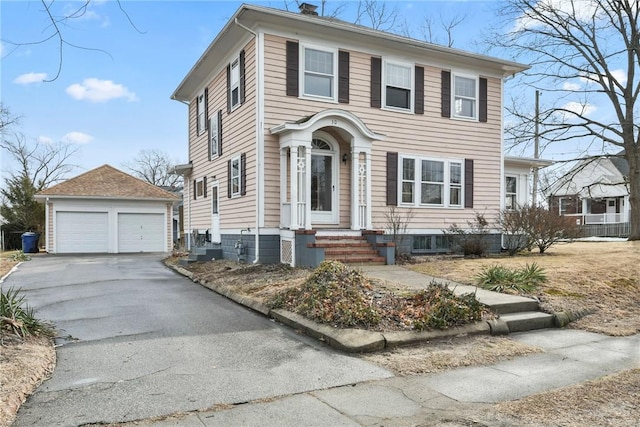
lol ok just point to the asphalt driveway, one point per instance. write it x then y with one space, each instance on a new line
139 341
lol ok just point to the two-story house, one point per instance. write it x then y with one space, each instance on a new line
306 132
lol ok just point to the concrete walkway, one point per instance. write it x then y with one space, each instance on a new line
458 397
454 398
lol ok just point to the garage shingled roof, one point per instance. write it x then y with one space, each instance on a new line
107 182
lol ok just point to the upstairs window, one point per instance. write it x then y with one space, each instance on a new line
511 192
398 85
319 76
234 90
465 97
201 112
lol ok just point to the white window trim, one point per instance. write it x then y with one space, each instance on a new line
412 81
235 85
238 177
201 109
417 190
301 72
560 200
474 77
200 182
402 180
213 133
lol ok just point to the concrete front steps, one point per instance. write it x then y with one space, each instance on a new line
202 254
349 249
515 313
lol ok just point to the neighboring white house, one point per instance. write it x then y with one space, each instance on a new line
595 191
107 211
517 179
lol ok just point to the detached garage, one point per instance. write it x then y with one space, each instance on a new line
107 211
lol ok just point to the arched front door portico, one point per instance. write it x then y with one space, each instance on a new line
309 170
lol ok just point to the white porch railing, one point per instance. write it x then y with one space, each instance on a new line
605 218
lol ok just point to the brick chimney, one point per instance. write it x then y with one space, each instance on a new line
308 9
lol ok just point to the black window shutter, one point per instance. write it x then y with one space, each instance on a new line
209 141
228 88
343 77
482 113
243 174
292 68
229 179
195 191
219 132
376 82
204 185
419 96
241 65
445 86
392 179
468 183
206 108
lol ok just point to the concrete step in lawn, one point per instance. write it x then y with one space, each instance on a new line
528 321
201 255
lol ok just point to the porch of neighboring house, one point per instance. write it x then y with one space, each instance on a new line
602 217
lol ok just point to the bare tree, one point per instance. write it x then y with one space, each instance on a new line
584 51
42 163
57 26
153 166
377 15
432 31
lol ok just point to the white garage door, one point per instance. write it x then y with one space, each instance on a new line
82 232
141 232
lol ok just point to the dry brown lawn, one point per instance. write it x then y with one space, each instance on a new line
601 278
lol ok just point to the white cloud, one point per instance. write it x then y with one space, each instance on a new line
28 78
618 75
578 108
571 86
77 138
44 140
96 90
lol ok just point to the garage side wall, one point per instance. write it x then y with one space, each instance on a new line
108 226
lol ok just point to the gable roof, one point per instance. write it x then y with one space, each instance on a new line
107 182
621 164
255 18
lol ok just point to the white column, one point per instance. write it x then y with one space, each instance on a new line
367 155
355 191
283 186
307 186
293 167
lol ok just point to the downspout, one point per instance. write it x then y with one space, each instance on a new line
259 136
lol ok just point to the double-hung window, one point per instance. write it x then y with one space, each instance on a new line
398 85
465 95
199 191
441 182
236 173
234 88
511 192
320 70
201 113
408 180
214 136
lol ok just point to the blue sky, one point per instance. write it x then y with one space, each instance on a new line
112 95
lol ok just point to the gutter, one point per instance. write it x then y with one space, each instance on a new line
259 137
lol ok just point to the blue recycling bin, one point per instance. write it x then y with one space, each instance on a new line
30 242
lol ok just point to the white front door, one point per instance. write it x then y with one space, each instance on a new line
324 182
215 214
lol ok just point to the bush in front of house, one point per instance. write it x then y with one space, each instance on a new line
471 241
341 296
502 279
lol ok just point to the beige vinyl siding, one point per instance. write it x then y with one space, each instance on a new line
238 136
425 135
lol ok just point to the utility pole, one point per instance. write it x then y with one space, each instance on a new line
536 151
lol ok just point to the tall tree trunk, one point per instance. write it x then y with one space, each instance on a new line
633 157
